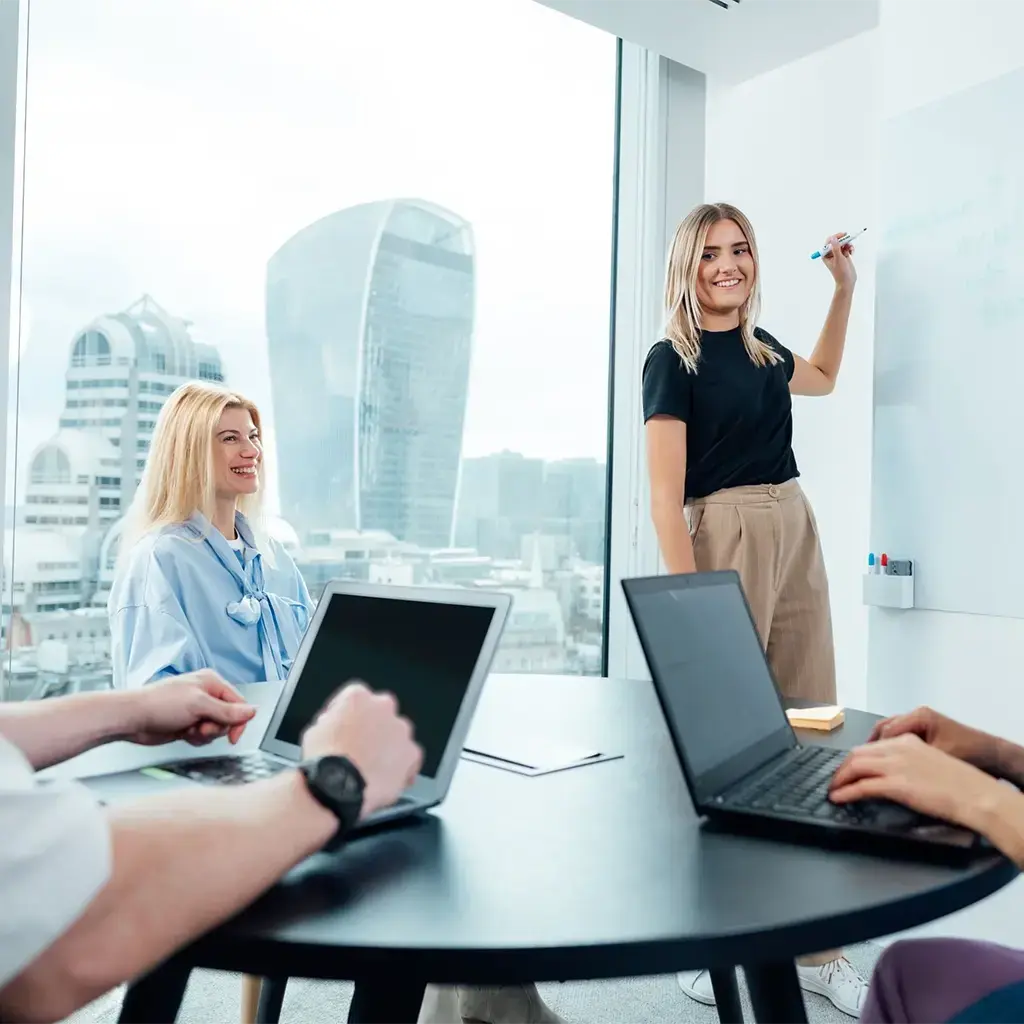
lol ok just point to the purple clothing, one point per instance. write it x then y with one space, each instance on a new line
942 981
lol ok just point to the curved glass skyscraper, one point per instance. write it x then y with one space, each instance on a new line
369 316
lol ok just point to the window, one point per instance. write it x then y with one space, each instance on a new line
51 466
91 349
417 299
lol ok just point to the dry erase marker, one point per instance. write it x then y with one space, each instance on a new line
827 247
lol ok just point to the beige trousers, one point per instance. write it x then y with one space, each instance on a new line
768 534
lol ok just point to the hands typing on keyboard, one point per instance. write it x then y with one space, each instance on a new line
933 766
799 787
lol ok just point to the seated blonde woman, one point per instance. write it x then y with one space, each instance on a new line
200 584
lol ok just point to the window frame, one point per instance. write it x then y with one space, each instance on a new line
660 172
13 45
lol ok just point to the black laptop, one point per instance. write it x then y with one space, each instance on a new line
744 766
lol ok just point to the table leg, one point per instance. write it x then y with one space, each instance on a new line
271 1000
775 993
155 998
394 1000
727 996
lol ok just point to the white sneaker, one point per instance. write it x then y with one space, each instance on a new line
838 981
697 985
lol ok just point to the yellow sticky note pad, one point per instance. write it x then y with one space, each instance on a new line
825 718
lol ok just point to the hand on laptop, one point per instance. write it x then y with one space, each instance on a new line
366 728
198 707
908 771
951 737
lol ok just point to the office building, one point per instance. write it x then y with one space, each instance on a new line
574 505
369 317
500 502
121 369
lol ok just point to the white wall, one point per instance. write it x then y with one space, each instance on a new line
769 143
794 149
969 666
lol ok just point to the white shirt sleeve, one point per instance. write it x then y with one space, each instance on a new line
54 857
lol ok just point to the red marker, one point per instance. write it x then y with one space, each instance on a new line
885 562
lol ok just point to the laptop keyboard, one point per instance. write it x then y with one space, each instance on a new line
236 770
798 787
228 771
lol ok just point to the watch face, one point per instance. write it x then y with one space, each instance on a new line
336 777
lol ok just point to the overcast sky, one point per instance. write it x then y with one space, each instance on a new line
173 145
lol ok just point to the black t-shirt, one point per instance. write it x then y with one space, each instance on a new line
738 415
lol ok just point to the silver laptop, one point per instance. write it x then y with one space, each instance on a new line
431 647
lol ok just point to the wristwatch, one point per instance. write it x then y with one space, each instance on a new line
337 784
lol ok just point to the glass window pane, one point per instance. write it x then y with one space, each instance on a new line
387 223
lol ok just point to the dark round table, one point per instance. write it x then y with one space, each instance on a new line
595 872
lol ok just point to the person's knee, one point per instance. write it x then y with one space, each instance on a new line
891 963
916 958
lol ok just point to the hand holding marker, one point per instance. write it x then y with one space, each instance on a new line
827 247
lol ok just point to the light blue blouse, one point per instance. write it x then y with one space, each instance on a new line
186 600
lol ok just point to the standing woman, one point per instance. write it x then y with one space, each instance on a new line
724 492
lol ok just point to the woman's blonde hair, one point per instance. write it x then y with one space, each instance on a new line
178 480
683 310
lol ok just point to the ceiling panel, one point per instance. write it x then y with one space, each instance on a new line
729 43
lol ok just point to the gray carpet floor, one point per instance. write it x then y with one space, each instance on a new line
213 998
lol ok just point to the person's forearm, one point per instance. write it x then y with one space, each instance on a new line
50 731
182 863
1000 819
1008 762
828 352
674 538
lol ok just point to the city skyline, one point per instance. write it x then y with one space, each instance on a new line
26 449
544 543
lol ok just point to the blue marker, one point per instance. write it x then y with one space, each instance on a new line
871 564
827 247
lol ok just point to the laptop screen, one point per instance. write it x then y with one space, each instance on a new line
716 689
423 652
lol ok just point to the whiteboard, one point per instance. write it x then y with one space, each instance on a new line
948 458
